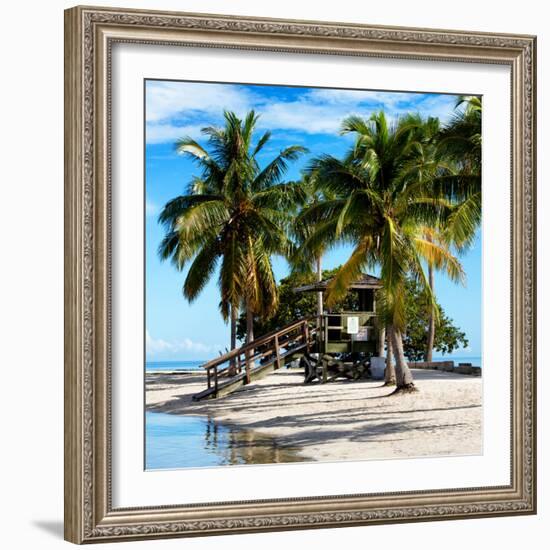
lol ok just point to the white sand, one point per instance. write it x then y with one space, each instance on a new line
343 419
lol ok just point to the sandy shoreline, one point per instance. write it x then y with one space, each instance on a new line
354 420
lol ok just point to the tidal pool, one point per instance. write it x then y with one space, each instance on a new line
177 441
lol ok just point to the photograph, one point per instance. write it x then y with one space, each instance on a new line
313 274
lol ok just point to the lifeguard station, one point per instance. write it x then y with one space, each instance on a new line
348 331
329 345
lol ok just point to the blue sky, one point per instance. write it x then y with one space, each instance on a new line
177 330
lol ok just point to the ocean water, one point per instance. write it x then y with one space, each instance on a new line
178 441
153 366
476 361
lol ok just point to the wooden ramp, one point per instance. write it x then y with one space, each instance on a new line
257 359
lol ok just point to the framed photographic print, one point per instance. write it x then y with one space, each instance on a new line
300 274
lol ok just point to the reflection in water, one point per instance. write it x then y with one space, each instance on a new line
175 441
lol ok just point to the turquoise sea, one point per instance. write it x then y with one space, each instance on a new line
155 366
475 360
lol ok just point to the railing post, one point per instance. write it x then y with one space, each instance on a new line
306 335
216 381
208 377
277 353
248 361
325 334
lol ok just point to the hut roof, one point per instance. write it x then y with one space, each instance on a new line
365 281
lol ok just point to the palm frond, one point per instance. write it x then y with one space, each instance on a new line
231 278
285 196
201 270
261 143
440 257
190 147
275 170
463 221
348 273
175 208
209 215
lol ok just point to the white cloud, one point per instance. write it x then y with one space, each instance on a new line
322 111
303 116
170 106
389 99
158 346
163 132
441 106
165 100
176 109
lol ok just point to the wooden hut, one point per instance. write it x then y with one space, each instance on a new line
348 331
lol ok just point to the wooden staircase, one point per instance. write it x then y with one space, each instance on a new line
255 360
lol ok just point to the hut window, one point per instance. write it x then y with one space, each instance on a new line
366 300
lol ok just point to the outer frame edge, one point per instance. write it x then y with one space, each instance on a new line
75 531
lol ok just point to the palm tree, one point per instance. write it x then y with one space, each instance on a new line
303 261
451 157
427 163
461 136
459 142
424 165
379 210
448 160
235 215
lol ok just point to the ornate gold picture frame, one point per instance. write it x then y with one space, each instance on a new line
90 34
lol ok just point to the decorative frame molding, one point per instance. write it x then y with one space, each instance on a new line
89 34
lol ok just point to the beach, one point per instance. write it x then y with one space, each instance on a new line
342 420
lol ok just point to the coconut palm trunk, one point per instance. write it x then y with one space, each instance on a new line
233 362
249 339
381 341
389 374
431 320
320 293
403 375
319 323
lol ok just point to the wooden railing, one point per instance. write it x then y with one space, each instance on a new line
268 349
